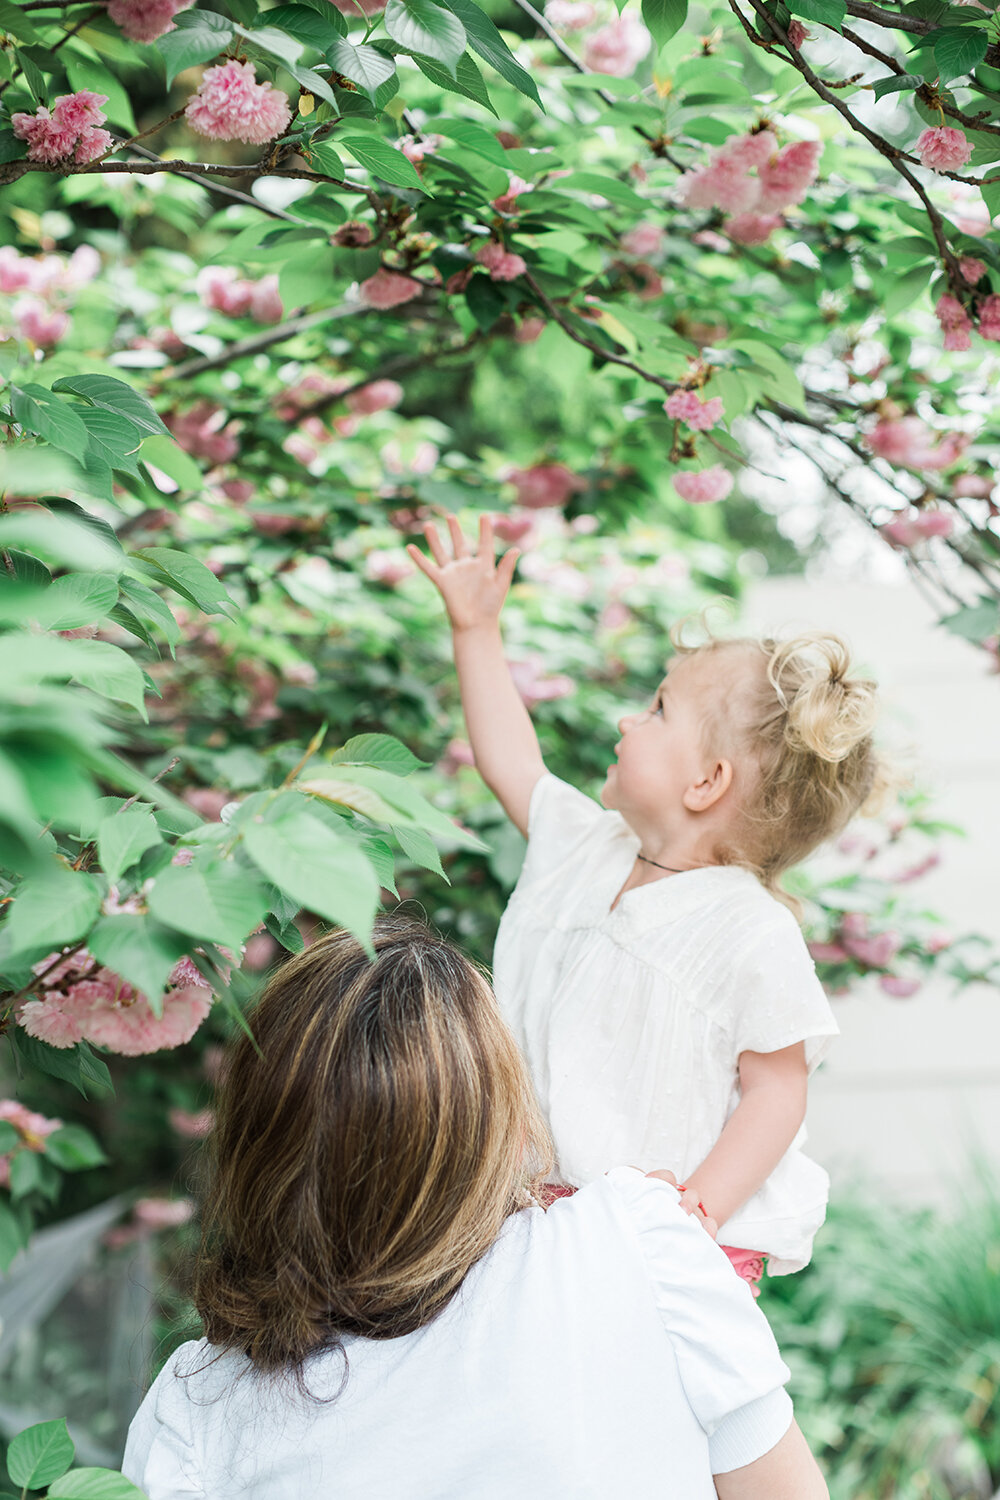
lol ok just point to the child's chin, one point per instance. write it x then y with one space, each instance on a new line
606 795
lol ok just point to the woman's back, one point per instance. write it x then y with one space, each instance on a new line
548 1375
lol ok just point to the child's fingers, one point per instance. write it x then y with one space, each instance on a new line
506 566
435 543
423 563
486 538
459 545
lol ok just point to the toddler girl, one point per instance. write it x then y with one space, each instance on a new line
660 988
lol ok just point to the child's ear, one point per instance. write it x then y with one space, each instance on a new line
710 788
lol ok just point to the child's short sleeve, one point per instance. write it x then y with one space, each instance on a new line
159 1454
777 998
560 820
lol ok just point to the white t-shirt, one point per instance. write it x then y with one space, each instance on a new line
633 1020
603 1350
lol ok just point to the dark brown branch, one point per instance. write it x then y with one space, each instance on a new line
259 341
862 11
972 122
224 191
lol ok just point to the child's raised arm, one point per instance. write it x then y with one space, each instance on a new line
501 734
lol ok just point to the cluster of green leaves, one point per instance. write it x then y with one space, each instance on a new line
35 1178
892 1334
40 1459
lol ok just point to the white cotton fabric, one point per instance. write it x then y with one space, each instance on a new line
603 1350
633 1020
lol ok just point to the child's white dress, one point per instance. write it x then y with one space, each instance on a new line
633 1020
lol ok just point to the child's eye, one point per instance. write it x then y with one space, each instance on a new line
657 706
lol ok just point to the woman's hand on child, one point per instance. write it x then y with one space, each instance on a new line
691 1204
472 585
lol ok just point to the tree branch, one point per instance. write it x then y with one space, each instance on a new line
862 11
259 341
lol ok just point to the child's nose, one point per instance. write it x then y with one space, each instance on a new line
626 722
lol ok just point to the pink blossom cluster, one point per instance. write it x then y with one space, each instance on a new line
703 486
203 432
222 288
943 149
529 329
192 1125
507 203
389 289
687 407
871 950
908 528
972 270
145 20
230 105
545 485
643 240
755 203
314 385
511 527
387 567
414 457
99 1006
503 265
570 15
379 395
535 685
989 318
619 47
955 323
972 487
46 279
149 1217
71 132
352 234
908 441
32 1128
415 150
457 755
797 34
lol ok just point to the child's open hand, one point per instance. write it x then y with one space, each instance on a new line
472 585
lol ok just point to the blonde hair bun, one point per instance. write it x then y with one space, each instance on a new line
829 712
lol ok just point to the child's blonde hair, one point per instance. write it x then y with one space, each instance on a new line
805 721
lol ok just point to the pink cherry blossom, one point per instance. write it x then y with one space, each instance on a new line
910 442
380 395
457 755
618 47
924 866
145 20
92 144
746 151
31 1126
415 150
193 1127
906 530
203 432
388 568
207 801
752 229
349 8
352 234
79 111
528 330
507 202
989 318
230 105
185 973
687 407
943 149
221 288
704 486
70 130
875 952
797 34
955 322
786 179
972 487
972 269
828 953
163 1213
510 527
723 184
15 270
239 491
898 987
52 1021
535 686
503 265
42 325
388 289
643 240
545 485
570 15
266 305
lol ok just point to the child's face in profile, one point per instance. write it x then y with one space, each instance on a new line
661 751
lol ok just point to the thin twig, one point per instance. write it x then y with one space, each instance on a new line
259 341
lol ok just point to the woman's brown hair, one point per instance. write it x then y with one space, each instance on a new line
371 1141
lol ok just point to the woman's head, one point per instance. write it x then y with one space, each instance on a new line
796 722
371 1141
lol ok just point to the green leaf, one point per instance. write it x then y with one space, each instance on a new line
896 83
140 950
381 855
104 390
305 859
95 1484
365 66
9 1137
404 796
38 410
607 186
664 18
150 608
77 1065
381 750
14 21
25 1175
420 848
113 438
468 81
306 25
485 39
382 160
323 158
11 1237
188 577
123 839
215 901
73 1149
287 934
88 73
472 136
52 909
33 76
109 670
904 290
824 12
421 26
957 50
197 37
77 599
165 454
40 1454
991 197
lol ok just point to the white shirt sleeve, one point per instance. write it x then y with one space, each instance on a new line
729 1363
777 998
159 1454
560 819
